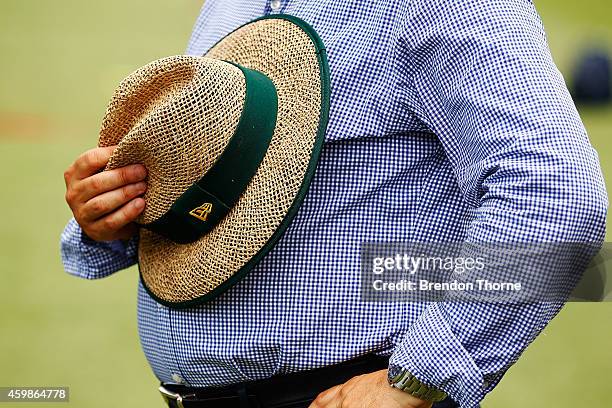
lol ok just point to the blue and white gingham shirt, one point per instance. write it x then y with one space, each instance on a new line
449 122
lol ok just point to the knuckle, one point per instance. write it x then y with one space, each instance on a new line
318 400
79 215
109 224
131 212
128 192
79 188
126 214
68 174
97 206
94 184
88 158
125 175
70 196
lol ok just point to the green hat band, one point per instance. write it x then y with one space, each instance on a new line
203 205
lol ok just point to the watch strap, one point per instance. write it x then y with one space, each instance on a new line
405 381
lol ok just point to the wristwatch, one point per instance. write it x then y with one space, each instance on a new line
405 381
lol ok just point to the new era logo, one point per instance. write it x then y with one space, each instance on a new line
201 212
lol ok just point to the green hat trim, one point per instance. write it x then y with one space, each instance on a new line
203 205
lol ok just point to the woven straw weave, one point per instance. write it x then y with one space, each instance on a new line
177 114
170 110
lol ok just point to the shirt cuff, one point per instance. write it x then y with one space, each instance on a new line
432 353
89 259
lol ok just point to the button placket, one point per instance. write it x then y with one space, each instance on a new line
165 324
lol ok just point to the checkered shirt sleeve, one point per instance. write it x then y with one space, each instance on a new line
480 75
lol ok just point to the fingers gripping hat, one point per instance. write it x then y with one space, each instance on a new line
230 141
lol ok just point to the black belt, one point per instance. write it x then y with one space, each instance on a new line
274 392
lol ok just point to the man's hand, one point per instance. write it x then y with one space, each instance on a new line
105 204
367 391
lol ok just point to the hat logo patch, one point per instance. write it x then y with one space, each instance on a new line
201 212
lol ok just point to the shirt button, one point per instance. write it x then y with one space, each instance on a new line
275 5
177 378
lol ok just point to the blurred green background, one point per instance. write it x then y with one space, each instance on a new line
59 62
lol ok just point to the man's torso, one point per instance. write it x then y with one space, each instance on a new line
382 177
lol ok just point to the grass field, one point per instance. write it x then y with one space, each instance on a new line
60 62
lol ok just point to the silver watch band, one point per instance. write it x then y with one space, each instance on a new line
405 381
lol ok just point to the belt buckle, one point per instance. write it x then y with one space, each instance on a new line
168 396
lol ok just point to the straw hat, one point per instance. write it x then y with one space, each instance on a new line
230 141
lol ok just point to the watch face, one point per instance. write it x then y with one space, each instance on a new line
394 373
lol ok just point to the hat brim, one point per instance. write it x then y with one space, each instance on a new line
291 54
